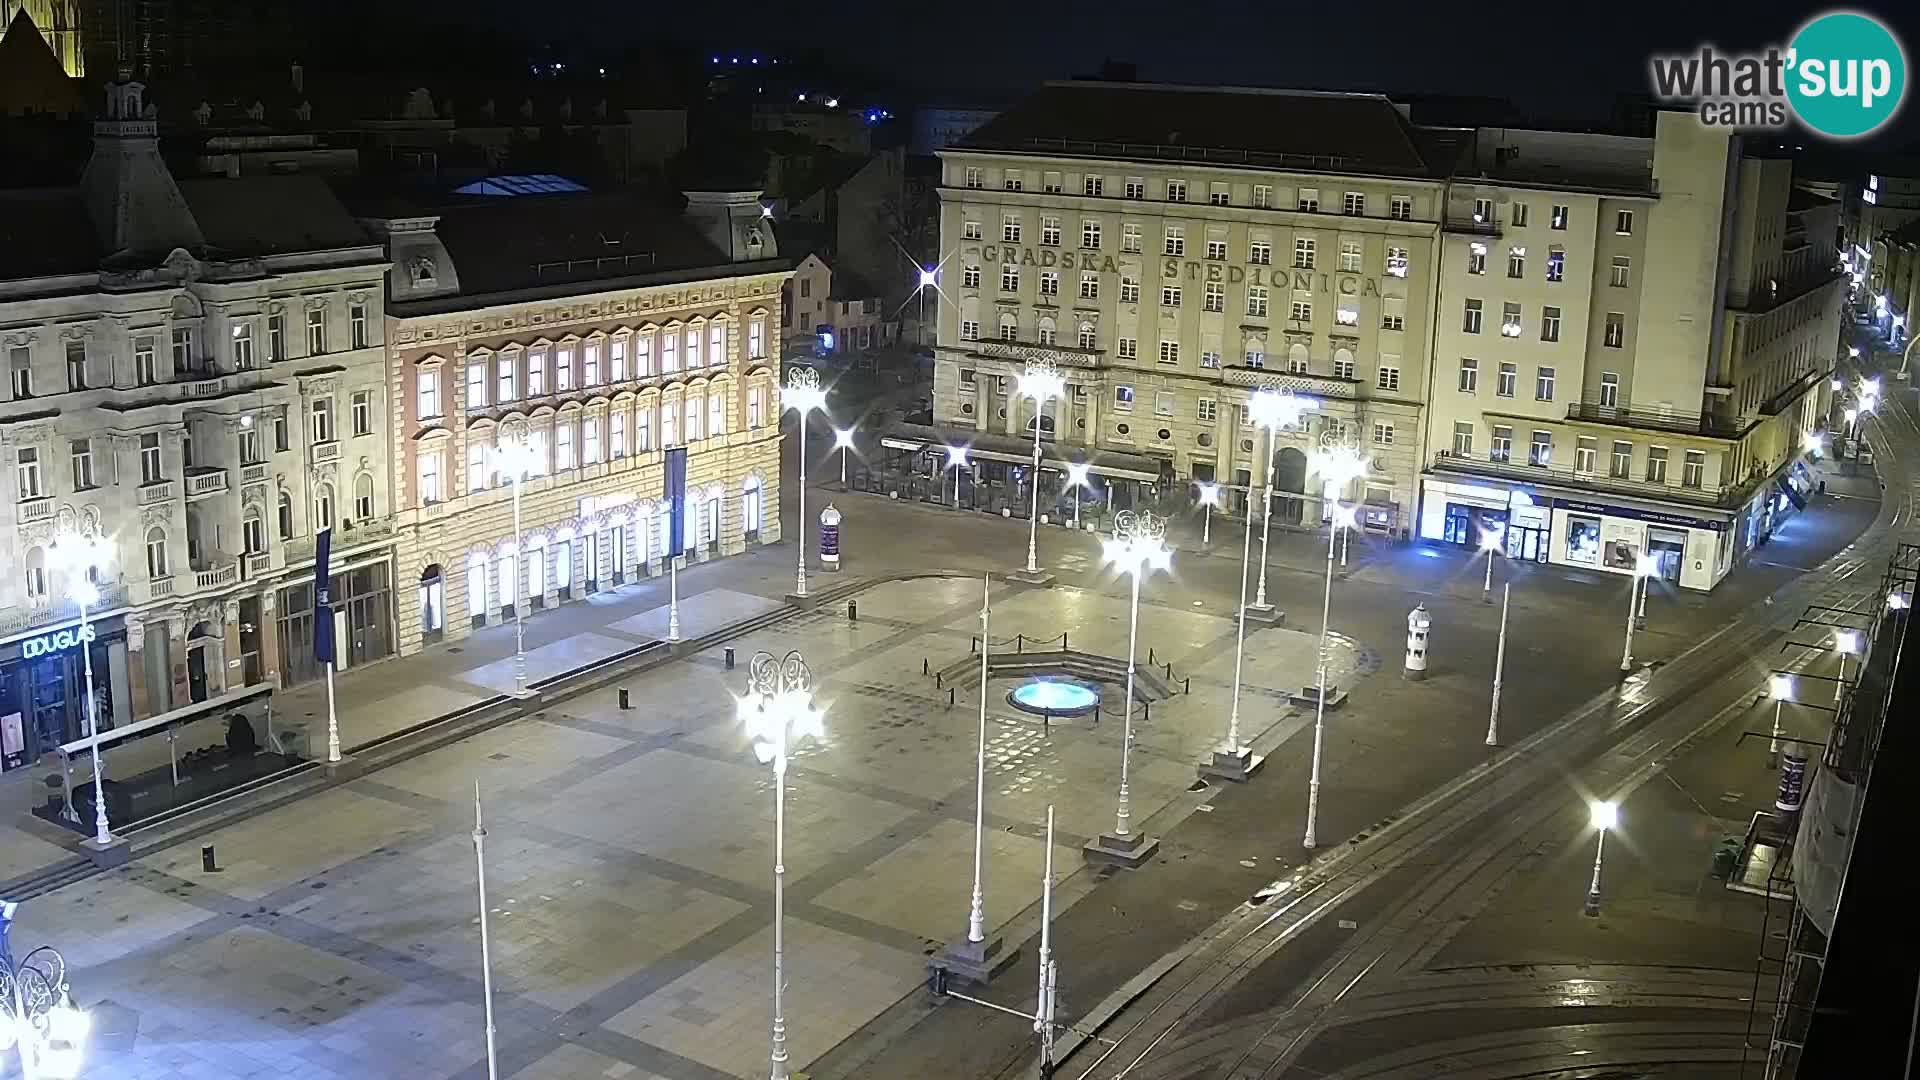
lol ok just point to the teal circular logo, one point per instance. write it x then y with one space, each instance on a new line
1846 74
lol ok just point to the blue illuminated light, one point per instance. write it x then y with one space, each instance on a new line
1054 697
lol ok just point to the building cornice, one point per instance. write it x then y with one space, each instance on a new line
478 303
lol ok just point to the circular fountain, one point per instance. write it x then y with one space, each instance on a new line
1055 697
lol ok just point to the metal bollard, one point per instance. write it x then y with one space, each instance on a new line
729 657
949 697
625 703
1151 662
853 611
926 666
1186 685
936 680
206 859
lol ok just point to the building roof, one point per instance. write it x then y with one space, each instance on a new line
31 78
253 216
1800 199
499 245
1292 129
46 231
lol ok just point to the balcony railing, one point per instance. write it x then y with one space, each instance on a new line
206 387
14 620
217 577
254 474
1706 424
1703 494
34 510
155 493
159 587
1311 385
1471 223
259 564
1021 352
205 480
324 452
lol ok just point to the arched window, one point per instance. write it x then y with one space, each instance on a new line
1297 359
37 574
253 530
1088 339
323 507
1009 327
157 553
285 514
363 497
1047 333
750 505
1343 363
477 588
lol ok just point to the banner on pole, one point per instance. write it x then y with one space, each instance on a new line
322 601
676 495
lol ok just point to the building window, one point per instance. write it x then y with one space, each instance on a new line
1044 332
1207 410
1262 196
969 330
427 396
1541 452
970 277
1342 365
183 349
1476 258
1012 180
320 418
1088 339
146 368
1216 250
357 324
1543 384
643 356
477 461
253 532
973 177
1519 215
1510 320
1169 352
316 333
617 355
1616 334
1382 433
1349 256
276 338
82 450
693 349
1309 201
1693 469
1091 186
1549 324
1089 286
1050 183
1622 466
1397 262
1462 438
27 472
1559 218
1257 301
1130 239
1304 249
1483 211
323 507
476 382
1470 321
1123 398
1218 195
972 230
1090 235
1516 262
1210 359
1010 229
76 365
1175 241
1400 207
617 434
590 363
283 515
1584 452
1500 448
1556 264
1163 403
282 430
1505 383
1609 390
20 372
1354 205
1170 295
1127 348
1346 315
1622 271
1129 290
1623 222
1049 232
360 412
156 553
150 466
508 392
1469 375
1009 329
1297 362
1302 311
430 491
1176 191
1009 278
1656 464
1260 253
1216 297
1050 283
756 339
643 430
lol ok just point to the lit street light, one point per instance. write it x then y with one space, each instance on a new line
1489 543
1342 518
37 1015
1209 498
1272 410
843 442
1642 567
956 460
1076 479
81 557
1851 416
778 711
803 395
1846 643
516 456
1135 548
1780 688
1605 815
1898 601
1339 464
1042 382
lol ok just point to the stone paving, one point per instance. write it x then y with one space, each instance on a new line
629 858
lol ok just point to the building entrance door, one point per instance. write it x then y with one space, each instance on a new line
1526 542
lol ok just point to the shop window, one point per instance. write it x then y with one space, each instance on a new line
1583 540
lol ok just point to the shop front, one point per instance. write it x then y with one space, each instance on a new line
362 598
43 687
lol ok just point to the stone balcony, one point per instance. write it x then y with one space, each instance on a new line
158 492
1310 385
33 511
323 452
204 480
216 576
257 473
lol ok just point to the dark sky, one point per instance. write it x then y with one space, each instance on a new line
1546 56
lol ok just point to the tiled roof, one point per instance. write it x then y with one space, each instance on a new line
499 245
1357 133
270 215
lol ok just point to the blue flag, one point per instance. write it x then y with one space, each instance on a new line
676 496
322 601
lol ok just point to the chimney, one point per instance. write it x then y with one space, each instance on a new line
736 222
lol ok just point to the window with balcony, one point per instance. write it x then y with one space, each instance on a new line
1462 438
1585 450
1470 320
1044 332
151 471
1304 250
1009 328
1609 389
316 333
320 420
1483 211
1549 324
27 473
1508 377
183 358
1469 375
1088 338
1541 452
157 568
1621 467
1693 469
250 446
1500 448
1656 464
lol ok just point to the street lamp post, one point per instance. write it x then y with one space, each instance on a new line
1499 666
1642 567
1780 688
1339 463
1136 548
1077 479
1342 515
486 941
973 956
515 455
81 556
843 442
778 711
1845 643
956 460
1605 815
1235 761
1042 382
1490 543
803 395
37 1014
1272 410
1209 498
1043 1009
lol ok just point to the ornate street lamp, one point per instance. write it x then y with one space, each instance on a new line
803 395
1136 548
37 1014
1041 382
1271 410
516 456
81 556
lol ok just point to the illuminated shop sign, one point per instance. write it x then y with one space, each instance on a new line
55 642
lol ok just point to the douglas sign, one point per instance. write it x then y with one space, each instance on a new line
55 642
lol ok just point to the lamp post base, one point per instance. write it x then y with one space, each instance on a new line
1592 908
114 852
1034 577
804 603
1128 851
1639 622
976 962
1235 765
522 693
1265 614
